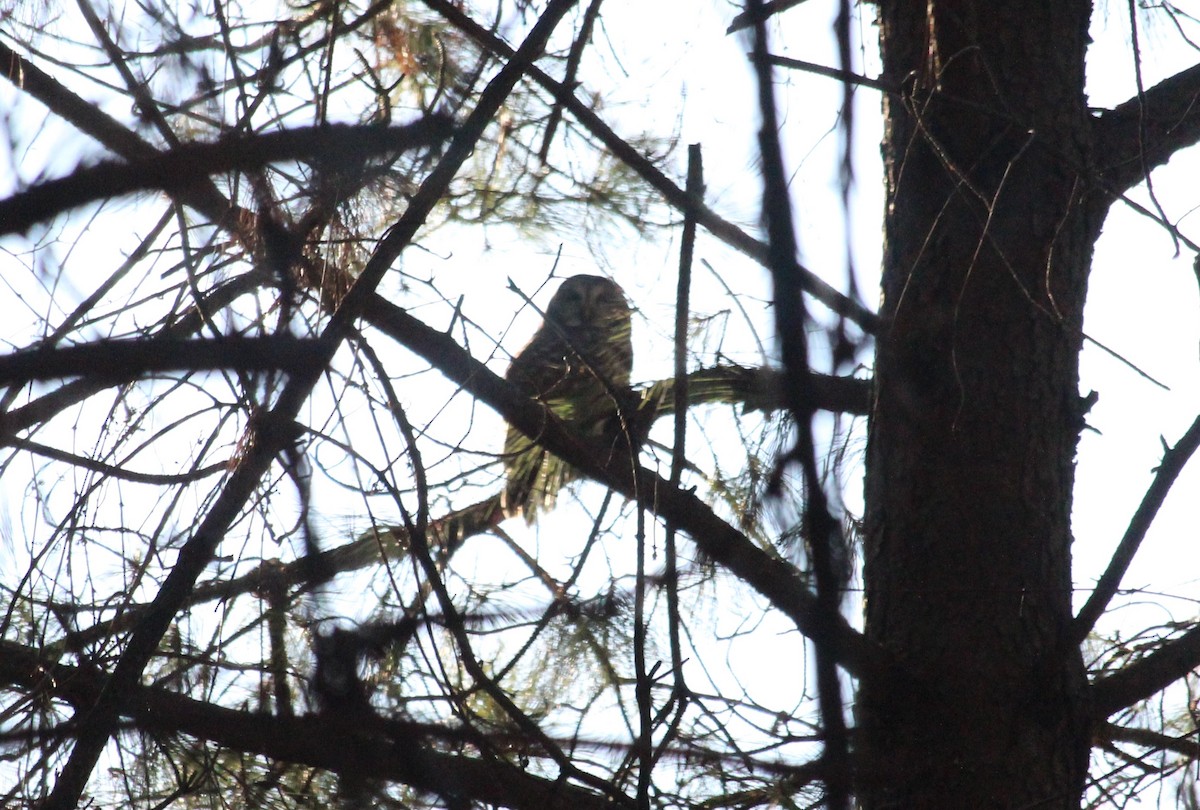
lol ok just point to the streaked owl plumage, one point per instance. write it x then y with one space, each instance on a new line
578 364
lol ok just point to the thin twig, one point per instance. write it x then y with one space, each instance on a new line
277 429
791 318
1172 464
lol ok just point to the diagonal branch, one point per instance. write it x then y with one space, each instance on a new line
772 577
84 115
1169 116
1169 469
1146 676
674 195
276 430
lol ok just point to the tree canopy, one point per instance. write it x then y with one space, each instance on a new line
266 265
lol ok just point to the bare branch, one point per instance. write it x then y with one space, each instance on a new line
791 321
276 429
846 76
1169 469
126 360
1171 120
674 195
770 576
400 751
179 169
1146 676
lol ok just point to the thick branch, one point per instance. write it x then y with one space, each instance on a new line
770 576
761 389
180 169
398 751
127 360
48 405
1154 740
1169 120
1147 676
114 135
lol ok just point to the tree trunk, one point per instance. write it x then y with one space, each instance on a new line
970 463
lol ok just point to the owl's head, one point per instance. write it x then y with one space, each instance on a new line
585 300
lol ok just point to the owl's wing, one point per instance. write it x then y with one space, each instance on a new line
583 377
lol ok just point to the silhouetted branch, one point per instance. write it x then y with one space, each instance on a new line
674 195
1170 119
1147 675
400 751
833 73
748 17
1154 740
113 470
777 580
791 322
179 169
761 389
1173 461
126 360
84 115
46 406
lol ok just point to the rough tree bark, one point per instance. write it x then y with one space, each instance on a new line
970 464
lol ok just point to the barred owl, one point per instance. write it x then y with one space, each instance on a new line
578 364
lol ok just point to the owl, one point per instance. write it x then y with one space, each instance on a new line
578 364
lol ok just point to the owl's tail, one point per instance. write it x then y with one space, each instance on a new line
534 476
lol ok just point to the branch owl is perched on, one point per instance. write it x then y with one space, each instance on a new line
578 364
